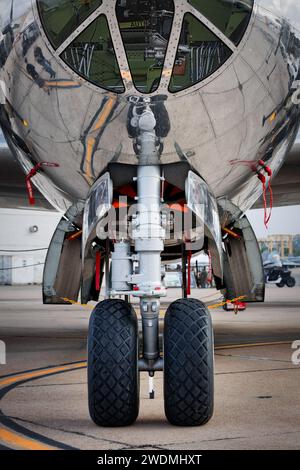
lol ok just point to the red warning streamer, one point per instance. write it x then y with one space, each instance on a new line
31 174
266 185
259 168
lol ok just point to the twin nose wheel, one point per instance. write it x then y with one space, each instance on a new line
113 372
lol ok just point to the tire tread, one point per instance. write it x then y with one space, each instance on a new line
188 353
113 385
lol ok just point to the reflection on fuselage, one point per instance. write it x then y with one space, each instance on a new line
222 93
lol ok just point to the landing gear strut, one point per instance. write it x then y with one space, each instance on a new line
114 365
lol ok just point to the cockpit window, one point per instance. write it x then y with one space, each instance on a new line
229 16
61 18
145 28
199 54
92 56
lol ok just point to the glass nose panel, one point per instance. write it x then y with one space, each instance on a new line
199 54
145 28
92 56
229 16
61 18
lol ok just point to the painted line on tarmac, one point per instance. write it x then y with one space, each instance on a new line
252 345
17 440
17 436
40 373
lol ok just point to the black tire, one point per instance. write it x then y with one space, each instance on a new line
291 282
281 284
113 378
188 363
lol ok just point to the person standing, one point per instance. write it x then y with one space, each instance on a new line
43 62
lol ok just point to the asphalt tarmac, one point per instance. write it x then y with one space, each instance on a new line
43 385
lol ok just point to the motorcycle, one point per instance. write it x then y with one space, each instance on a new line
277 273
280 276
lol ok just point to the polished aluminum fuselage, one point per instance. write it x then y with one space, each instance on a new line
242 112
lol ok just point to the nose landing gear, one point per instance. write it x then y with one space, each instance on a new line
114 360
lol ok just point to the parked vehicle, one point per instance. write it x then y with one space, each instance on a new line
278 273
293 261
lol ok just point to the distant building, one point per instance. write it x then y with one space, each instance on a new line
296 245
283 244
24 238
